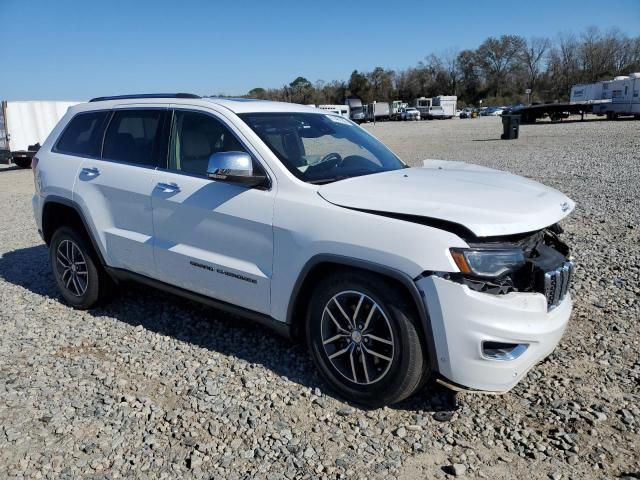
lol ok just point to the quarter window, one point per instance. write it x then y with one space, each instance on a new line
194 138
83 135
133 137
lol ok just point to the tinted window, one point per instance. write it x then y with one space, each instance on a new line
133 137
83 135
194 137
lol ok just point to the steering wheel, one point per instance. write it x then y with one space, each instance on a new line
332 155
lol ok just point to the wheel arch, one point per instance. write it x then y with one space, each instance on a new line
324 264
58 211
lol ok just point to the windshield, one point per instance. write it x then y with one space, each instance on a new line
320 148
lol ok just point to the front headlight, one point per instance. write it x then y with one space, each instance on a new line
487 262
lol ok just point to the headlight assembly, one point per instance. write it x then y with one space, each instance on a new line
488 262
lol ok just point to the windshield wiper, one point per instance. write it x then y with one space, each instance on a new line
337 178
322 181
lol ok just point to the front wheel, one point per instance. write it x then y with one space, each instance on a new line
364 338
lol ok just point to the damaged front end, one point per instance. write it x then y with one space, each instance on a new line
537 262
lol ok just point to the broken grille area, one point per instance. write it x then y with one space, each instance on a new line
556 284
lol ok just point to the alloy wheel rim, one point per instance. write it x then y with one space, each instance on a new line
72 268
357 337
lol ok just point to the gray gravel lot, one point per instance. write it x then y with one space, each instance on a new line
152 386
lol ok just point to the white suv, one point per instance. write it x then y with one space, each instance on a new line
303 221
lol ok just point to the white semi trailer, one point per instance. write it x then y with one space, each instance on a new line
24 126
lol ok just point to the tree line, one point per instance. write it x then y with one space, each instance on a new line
498 72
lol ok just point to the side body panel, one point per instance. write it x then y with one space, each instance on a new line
305 225
57 173
117 197
215 238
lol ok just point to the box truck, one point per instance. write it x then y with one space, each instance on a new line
24 126
377 112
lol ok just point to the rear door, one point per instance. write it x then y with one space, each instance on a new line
211 237
115 188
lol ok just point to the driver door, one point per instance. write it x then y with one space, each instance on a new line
211 237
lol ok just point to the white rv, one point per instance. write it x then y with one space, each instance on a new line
449 104
423 105
613 98
342 110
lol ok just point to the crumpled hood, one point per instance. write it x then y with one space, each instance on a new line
487 202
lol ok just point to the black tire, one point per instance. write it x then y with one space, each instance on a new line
397 378
98 285
22 162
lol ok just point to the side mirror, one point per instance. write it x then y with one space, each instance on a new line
234 167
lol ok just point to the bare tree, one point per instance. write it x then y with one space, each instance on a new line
533 56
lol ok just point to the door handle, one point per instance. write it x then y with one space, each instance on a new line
168 187
90 171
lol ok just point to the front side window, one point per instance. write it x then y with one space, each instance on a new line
320 148
133 137
194 138
83 135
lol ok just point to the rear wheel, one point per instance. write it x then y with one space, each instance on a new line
363 336
80 278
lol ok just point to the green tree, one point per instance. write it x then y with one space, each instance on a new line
359 86
499 58
301 90
258 92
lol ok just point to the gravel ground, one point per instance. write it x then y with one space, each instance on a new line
152 386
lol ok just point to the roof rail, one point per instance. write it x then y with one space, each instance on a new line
146 95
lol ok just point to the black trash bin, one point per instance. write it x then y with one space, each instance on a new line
510 127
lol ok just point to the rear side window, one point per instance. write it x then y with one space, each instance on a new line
83 135
133 137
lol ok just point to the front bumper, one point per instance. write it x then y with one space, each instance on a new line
462 319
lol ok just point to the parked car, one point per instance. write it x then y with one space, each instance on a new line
466 113
304 222
410 113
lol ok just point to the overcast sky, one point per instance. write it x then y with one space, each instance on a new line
76 50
